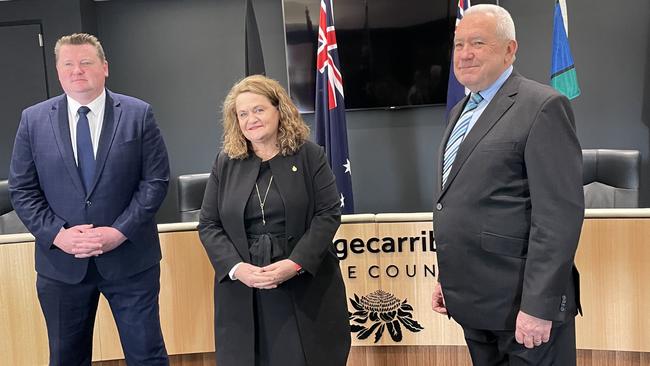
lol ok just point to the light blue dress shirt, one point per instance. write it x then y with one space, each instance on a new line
487 95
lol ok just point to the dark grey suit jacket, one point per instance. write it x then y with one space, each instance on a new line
508 221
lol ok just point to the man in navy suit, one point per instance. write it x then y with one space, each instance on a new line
88 172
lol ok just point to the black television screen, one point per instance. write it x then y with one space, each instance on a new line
393 53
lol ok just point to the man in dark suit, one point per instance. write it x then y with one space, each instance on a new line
509 207
88 172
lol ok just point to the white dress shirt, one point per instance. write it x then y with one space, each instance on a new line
95 120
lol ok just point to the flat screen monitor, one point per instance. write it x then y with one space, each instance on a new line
393 53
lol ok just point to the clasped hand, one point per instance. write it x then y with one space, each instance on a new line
267 277
85 241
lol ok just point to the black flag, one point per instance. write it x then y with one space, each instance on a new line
253 47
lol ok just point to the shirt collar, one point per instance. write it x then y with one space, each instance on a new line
95 106
490 91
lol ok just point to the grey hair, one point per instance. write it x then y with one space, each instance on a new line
505 24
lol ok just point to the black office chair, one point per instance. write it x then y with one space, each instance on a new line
9 221
611 178
190 195
5 202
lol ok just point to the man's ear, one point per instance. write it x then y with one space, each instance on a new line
511 50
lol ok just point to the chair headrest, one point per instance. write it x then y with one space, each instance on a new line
5 201
616 168
190 191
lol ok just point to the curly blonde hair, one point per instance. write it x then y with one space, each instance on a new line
292 129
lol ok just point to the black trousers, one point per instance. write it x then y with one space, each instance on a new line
499 348
70 309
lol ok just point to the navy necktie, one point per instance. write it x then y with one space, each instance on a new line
85 154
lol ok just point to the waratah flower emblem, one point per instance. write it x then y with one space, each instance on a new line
381 311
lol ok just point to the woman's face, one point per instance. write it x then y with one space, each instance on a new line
258 118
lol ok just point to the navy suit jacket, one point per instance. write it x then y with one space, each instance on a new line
130 184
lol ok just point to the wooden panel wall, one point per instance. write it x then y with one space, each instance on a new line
23 338
613 258
614 263
422 356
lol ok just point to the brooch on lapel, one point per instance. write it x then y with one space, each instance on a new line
294 169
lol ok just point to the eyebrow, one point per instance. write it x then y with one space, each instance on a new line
255 106
472 37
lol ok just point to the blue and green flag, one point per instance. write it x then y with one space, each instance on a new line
563 71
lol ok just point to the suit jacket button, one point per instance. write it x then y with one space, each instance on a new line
88 203
439 206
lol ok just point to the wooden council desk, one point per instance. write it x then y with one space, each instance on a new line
389 263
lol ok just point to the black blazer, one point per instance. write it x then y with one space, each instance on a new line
508 221
312 210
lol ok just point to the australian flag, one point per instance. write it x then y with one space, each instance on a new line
331 129
455 91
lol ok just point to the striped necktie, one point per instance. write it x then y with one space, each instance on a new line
458 135
85 153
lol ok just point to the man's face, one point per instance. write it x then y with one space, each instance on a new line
82 73
480 56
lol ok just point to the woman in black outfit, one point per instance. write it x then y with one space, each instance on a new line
269 214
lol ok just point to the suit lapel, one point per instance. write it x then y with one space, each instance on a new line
249 169
112 114
285 170
501 102
61 128
453 118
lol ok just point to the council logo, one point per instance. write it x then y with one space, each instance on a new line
381 311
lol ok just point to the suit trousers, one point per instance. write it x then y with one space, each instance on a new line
499 348
69 311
